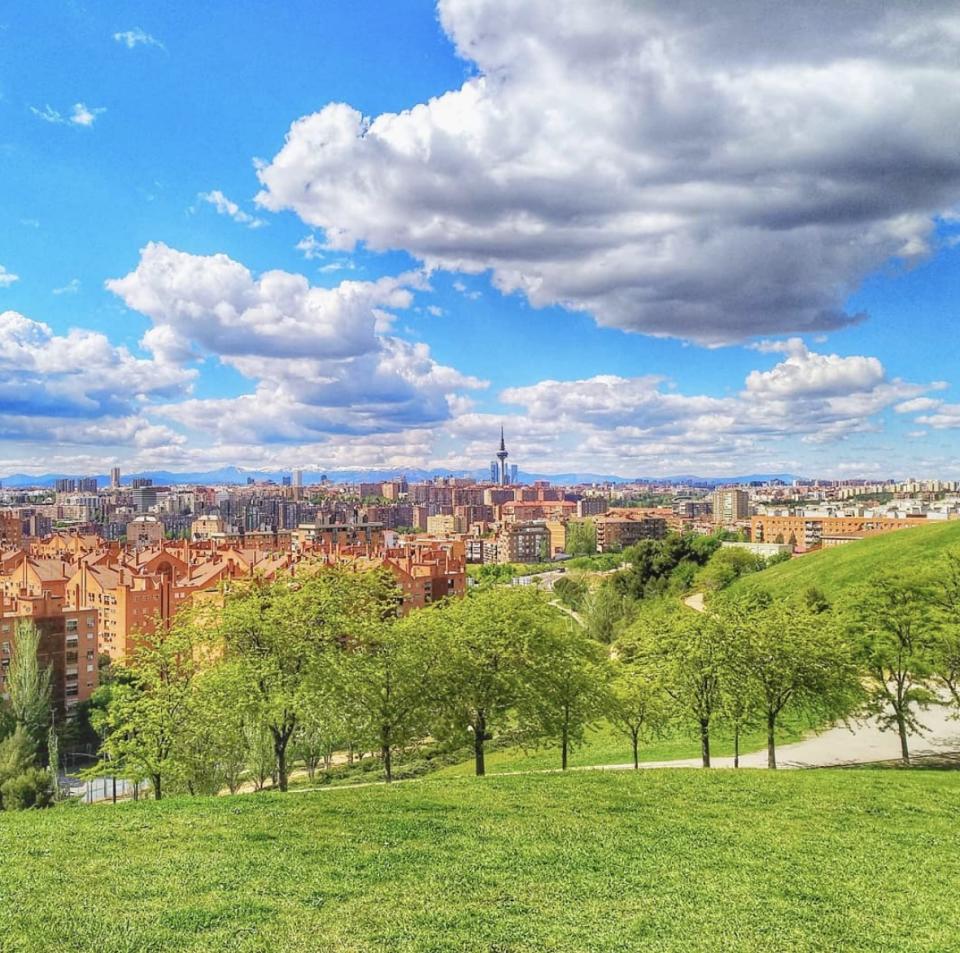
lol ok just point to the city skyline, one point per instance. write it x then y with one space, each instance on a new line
642 245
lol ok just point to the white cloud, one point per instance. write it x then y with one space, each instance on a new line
79 115
7 278
918 405
77 387
137 37
320 358
70 288
673 168
311 247
225 206
83 115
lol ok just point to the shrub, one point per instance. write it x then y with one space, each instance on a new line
33 788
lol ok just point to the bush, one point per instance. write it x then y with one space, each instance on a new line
33 788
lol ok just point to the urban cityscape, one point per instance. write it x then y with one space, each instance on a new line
479 476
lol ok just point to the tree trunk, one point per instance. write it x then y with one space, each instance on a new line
564 746
771 740
736 745
280 739
479 737
157 790
387 755
902 731
635 738
705 742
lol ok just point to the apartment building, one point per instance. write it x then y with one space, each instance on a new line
804 533
69 646
730 507
621 528
523 542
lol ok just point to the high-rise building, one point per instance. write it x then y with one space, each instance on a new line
87 485
144 497
65 485
514 472
138 482
494 471
114 477
730 506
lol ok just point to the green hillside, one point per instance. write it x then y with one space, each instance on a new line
591 861
835 569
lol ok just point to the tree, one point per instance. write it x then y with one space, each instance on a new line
782 654
279 631
148 713
606 610
571 591
677 645
946 596
637 705
480 672
564 686
386 678
28 684
581 538
892 619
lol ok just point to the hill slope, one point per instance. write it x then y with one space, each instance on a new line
838 568
598 861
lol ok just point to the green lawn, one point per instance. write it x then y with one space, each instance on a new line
604 745
596 861
838 568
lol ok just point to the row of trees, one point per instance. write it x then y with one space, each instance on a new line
265 674
326 664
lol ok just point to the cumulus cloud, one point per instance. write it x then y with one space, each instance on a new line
321 358
78 387
810 398
225 206
217 303
672 168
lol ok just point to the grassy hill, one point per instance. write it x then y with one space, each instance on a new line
838 568
598 861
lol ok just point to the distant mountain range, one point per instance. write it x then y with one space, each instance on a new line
240 476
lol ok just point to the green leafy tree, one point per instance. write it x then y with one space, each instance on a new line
581 538
607 611
148 714
893 621
571 591
678 646
637 705
946 596
386 678
485 641
28 684
279 632
565 686
782 655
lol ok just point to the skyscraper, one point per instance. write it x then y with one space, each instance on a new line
114 477
494 471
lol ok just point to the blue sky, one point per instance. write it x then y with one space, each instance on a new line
647 238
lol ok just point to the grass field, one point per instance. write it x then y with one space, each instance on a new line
595 861
838 568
